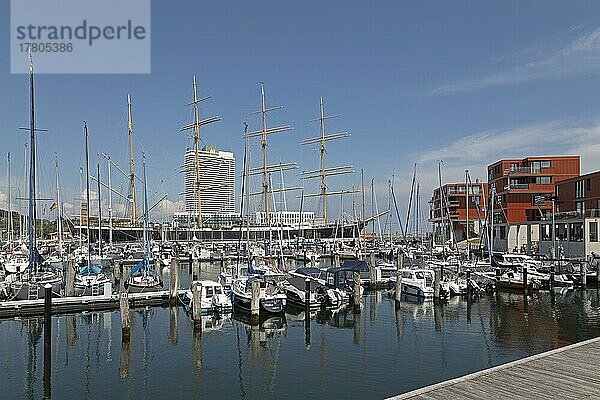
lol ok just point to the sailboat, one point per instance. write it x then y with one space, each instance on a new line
90 279
141 277
29 284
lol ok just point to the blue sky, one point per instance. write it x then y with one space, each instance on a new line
466 82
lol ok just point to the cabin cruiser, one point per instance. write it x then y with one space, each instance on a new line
320 295
272 298
212 297
417 282
514 280
342 278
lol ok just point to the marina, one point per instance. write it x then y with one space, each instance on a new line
394 200
232 356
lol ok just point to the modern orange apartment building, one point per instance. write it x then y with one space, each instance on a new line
455 209
518 184
579 197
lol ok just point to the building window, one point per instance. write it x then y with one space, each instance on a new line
588 184
576 232
593 226
580 208
514 167
561 231
545 164
546 232
535 167
543 180
579 189
502 232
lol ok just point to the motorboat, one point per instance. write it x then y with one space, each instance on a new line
320 295
212 298
417 282
272 298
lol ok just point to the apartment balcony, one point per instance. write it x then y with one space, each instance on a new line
517 186
522 171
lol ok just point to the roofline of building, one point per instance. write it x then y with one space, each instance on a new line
534 158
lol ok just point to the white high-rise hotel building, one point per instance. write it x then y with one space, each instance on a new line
217 181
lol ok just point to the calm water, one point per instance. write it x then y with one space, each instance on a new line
386 350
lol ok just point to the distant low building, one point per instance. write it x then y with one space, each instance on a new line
286 218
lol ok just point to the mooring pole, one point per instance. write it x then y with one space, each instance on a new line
525 281
307 312
469 283
357 291
47 317
372 270
125 322
255 302
583 272
436 285
173 280
399 277
197 304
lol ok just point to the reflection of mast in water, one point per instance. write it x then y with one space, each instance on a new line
240 379
33 329
145 347
107 317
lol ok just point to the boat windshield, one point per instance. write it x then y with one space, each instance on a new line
218 290
209 291
419 275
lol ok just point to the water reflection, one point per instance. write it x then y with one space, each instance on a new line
389 348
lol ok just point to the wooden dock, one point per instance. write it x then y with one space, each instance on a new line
566 373
63 305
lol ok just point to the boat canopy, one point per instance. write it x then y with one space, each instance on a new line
309 271
351 265
86 270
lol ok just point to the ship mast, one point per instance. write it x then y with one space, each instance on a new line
195 126
131 162
323 172
267 169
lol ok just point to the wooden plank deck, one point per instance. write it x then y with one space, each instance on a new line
60 305
566 373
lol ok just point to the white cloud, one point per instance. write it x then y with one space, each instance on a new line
581 54
475 152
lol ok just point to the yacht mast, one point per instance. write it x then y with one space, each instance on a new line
99 210
131 162
267 169
59 208
323 172
110 225
195 126
87 199
33 254
10 216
